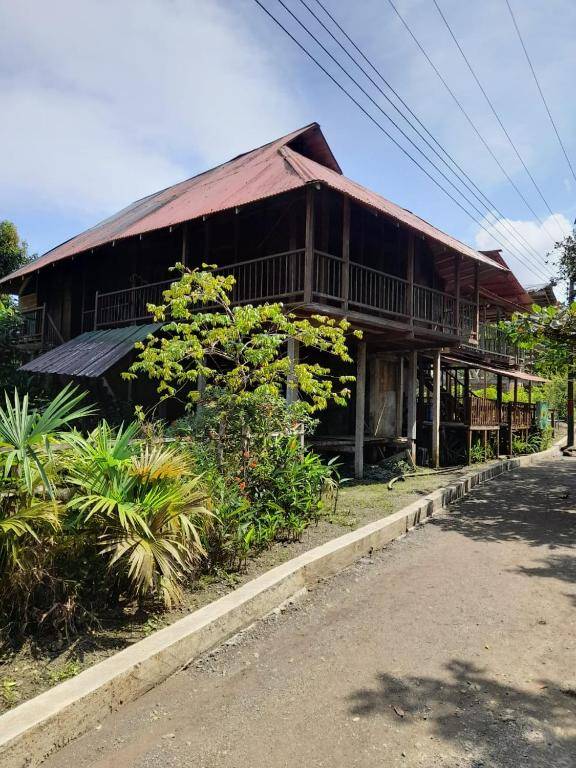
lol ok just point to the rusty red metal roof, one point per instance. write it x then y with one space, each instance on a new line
505 285
291 162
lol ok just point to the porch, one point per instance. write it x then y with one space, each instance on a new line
329 284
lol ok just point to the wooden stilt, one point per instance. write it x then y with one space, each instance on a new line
411 391
360 407
436 390
399 397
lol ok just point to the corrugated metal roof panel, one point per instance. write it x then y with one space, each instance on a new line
92 353
511 374
311 171
281 166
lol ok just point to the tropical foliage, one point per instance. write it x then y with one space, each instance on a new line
96 519
238 353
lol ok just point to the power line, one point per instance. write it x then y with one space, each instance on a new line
540 90
394 123
511 246
495 113
465 113
467 181
373 119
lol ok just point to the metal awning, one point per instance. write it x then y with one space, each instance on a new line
521 375
92 353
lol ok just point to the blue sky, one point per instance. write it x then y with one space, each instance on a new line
106 102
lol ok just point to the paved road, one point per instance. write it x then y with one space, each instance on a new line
454 647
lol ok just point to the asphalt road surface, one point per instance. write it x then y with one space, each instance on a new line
455 646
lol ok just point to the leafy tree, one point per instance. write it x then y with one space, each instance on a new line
13 254
239 352
567 260
550 332
13 250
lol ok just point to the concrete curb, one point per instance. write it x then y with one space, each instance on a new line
36 728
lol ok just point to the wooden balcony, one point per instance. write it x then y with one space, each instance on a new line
36 330
492 341
331 281
479 413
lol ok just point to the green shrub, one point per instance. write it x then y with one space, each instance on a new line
93 521
142 508
479 454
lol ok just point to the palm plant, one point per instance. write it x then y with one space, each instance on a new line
25 435
21 525
146 510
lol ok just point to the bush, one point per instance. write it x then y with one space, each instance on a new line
93 521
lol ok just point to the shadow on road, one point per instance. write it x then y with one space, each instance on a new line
496 725
536 505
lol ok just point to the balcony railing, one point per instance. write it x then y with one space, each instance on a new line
476 411
493 339
36 329
481 412
281 277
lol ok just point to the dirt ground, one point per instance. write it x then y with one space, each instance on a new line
31 669
453 647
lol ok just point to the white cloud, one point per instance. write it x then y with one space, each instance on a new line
105 102
541 237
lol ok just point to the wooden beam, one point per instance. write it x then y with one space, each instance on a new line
410 278
345 252
457 263
477 301
309 245
184 256
411 394
436 390
399 396
360 408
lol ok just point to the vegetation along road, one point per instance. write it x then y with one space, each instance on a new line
453 647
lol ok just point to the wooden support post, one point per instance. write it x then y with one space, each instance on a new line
293 355
515 391
345 252
184 257
96 310
436 390
411 394
468 445
207 241
309 245
484 443
360 407
410 278
457 263
399 397
529 392
477 301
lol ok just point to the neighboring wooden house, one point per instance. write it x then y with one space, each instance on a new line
543 295
290 227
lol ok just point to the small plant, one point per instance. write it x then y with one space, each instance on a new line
10 693
70 669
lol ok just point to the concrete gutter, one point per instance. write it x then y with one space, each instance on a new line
38 727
